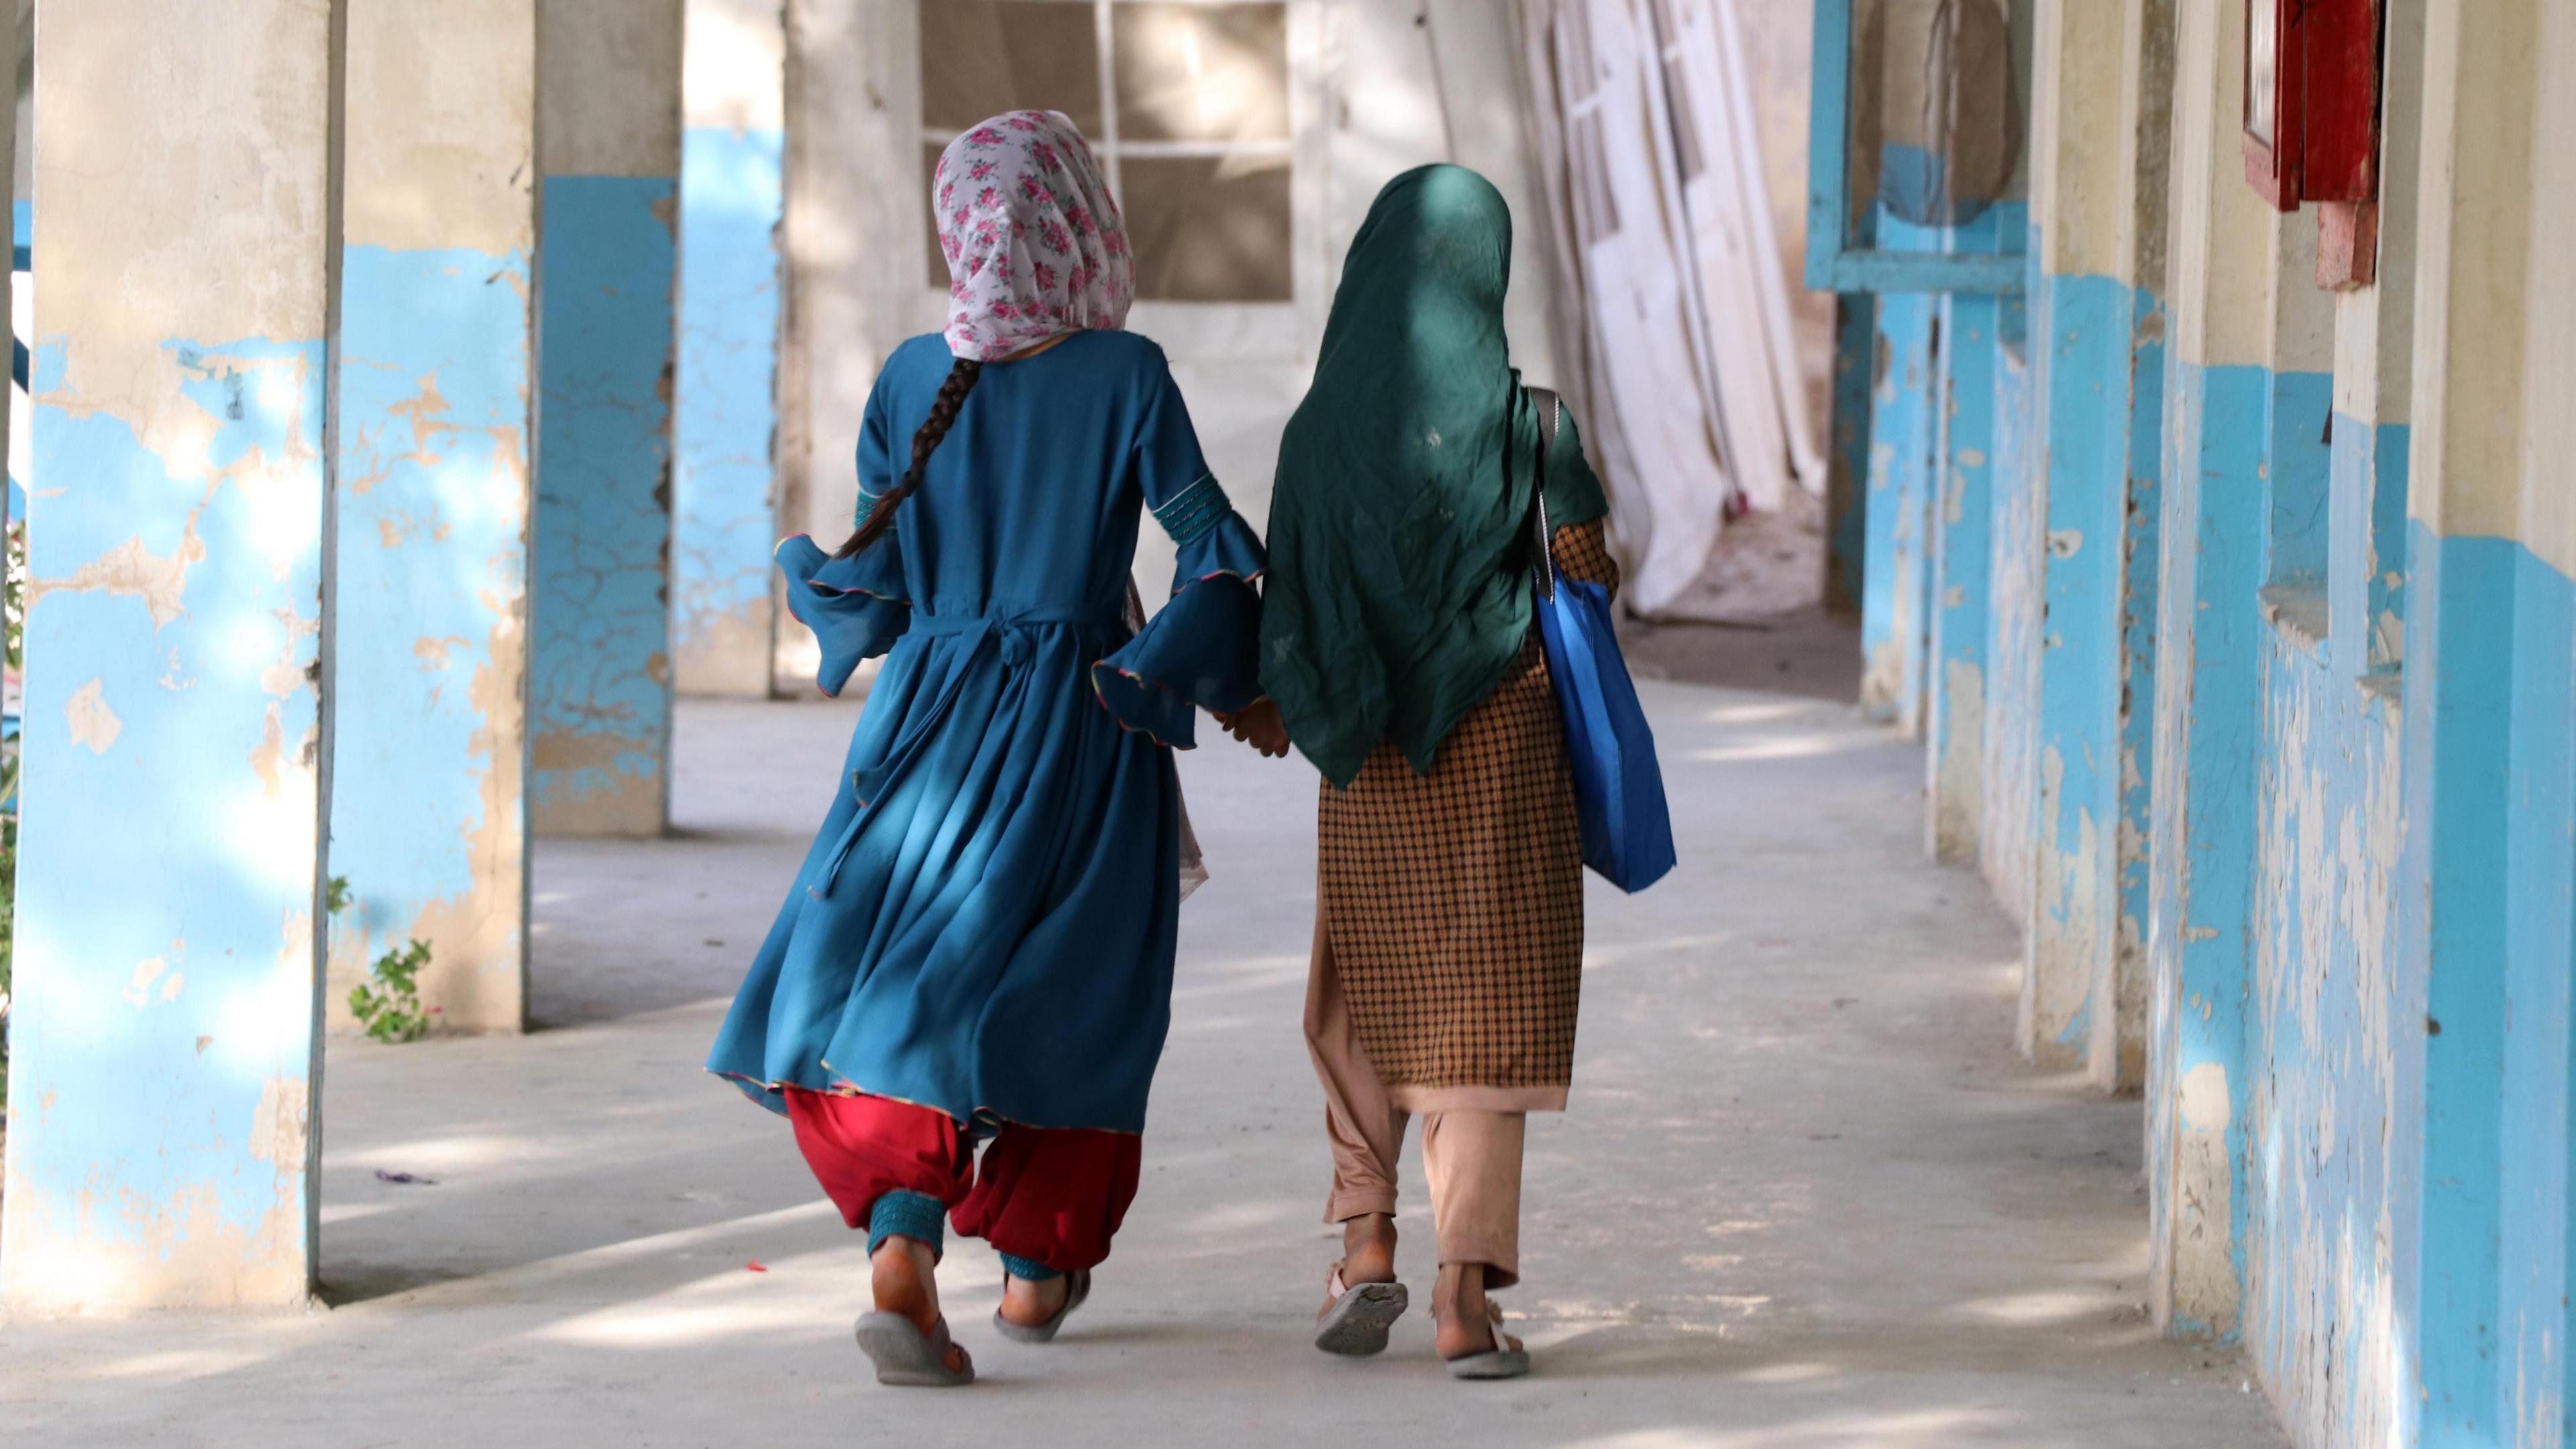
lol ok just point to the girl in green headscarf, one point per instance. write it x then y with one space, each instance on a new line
1398 647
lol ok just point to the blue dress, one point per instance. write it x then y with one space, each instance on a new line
986 923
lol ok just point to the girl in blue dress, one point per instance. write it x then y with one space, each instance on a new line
978 949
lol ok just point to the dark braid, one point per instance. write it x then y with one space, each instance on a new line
943 415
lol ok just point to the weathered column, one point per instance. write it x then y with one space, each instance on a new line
2325 1018
430 601
2104 93
2482 936
608 147
1847 453
165 1031
1896 567
2208 705
858 279
1962 549
724 523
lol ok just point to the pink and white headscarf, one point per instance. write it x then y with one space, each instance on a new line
1034 244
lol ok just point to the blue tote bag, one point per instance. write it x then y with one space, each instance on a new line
1618 786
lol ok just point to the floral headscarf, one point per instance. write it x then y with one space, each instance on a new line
1034 244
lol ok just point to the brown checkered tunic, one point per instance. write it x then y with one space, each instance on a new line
1455 899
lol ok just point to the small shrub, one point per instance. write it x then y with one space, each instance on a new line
387 1003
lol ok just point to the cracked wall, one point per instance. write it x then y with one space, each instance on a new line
1896 572
428 818
163 1032
725 427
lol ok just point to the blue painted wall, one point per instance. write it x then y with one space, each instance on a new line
431 634
169 846
1970 413
723 515
2014 613
1896 569
600 677
2483 946
2082 324
2208 722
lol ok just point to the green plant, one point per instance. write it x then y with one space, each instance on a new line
387 1003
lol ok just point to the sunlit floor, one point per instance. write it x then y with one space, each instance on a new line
1805 1196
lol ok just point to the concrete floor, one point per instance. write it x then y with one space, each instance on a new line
1805 1197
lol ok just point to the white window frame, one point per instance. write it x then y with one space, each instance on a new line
1212 330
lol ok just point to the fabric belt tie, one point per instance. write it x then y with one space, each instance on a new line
1010 636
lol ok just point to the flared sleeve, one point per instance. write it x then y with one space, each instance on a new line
1202 649
856 606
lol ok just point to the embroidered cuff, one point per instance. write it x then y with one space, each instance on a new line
1195 511
1028 1270
915 1215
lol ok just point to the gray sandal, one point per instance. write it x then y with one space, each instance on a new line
1076 1289
908 1357
1355 1320
1498 1362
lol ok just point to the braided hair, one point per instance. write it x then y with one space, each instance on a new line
943 415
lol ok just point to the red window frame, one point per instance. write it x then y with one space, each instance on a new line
2325 102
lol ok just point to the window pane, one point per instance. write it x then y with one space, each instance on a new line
1209 228
980 58
1201 72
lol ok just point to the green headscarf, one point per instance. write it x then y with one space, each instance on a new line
1400 523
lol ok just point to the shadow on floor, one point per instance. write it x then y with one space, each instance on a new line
1807 652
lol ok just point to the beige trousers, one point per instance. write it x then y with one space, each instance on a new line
1471 1155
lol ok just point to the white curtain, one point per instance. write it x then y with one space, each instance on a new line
1673 310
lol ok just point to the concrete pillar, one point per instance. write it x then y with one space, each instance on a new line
609 151
2099 139
162 1138
2017 497
2486 644
857 269
430 595
724 509
1847 460
2325 1017
2208 685
1963 547
1896 568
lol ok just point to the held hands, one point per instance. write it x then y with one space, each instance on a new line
1258 725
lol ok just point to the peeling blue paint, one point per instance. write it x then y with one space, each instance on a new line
1896 571
1963 546
2083 385
1963 555
2459 701
2014 616
723 524
2319 1311
431 590
169 852
2211 632
600 678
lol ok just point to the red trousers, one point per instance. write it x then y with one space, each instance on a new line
1050 1195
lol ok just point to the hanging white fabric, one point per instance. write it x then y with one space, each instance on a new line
1760 395
1668 493
1668 267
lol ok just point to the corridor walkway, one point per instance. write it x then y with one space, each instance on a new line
1806 1196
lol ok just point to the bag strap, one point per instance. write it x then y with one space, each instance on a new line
1551 419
